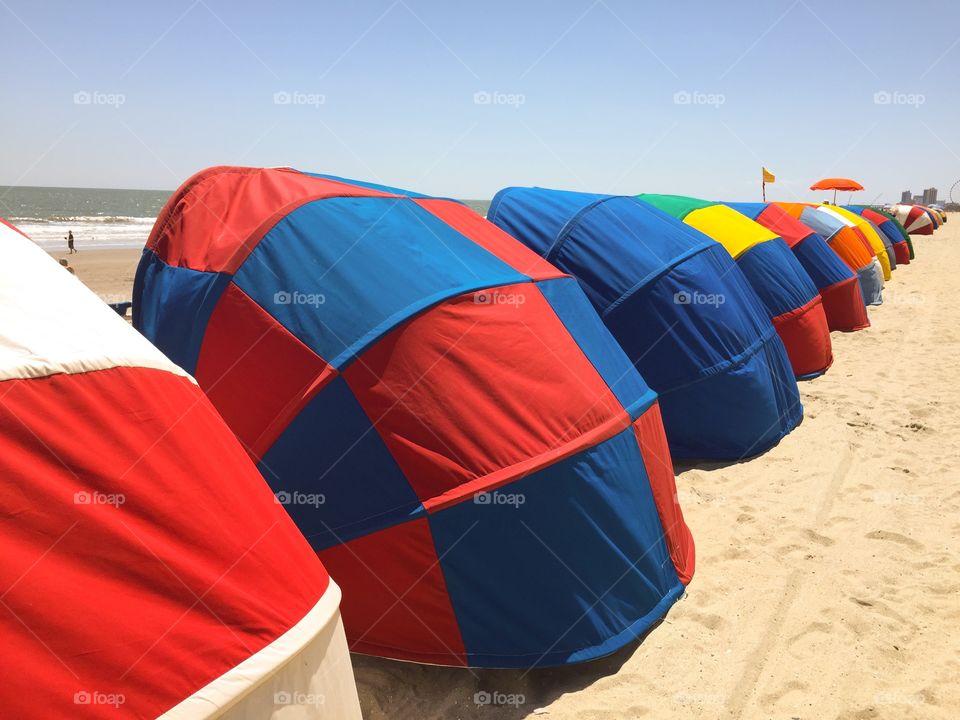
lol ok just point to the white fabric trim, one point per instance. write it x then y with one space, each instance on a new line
303 674
833 213
52 323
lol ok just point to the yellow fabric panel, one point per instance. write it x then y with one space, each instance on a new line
736 232
875 242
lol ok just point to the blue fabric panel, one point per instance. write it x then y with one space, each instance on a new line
725 383
738 411
537 216
777 276
871 283
822 223
698 318
374 262
751 210
822 264
621 245
892 232
574 310
530 608
157 288
332 450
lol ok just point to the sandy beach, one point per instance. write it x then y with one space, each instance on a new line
828 569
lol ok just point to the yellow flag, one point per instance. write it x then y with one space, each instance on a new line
768 177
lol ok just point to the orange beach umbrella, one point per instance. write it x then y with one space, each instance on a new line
835 184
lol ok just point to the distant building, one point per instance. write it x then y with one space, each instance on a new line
917 200
929 196
906 196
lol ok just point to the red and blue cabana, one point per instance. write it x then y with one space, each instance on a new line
440 410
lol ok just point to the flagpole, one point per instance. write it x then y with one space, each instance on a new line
764 186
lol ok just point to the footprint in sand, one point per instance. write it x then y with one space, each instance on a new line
894 537
818 538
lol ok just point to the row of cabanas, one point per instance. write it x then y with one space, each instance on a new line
470 422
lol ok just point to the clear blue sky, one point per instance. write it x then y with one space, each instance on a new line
787 84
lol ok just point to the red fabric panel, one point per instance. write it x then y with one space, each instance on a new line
656 459
215 220
391 581
806 336
491 238
901 252
472 390
238 370
152 597
843 306
778 220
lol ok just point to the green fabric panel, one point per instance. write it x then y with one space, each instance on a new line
676 205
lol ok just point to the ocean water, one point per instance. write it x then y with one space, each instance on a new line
99 218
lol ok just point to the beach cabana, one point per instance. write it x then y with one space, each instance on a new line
451 426
914 218
934 216
147 569
847 243
890 228
835 281
680 308
791 298
877 240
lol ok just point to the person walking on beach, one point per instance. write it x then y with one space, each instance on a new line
69 238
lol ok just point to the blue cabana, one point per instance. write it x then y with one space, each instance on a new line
680 307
